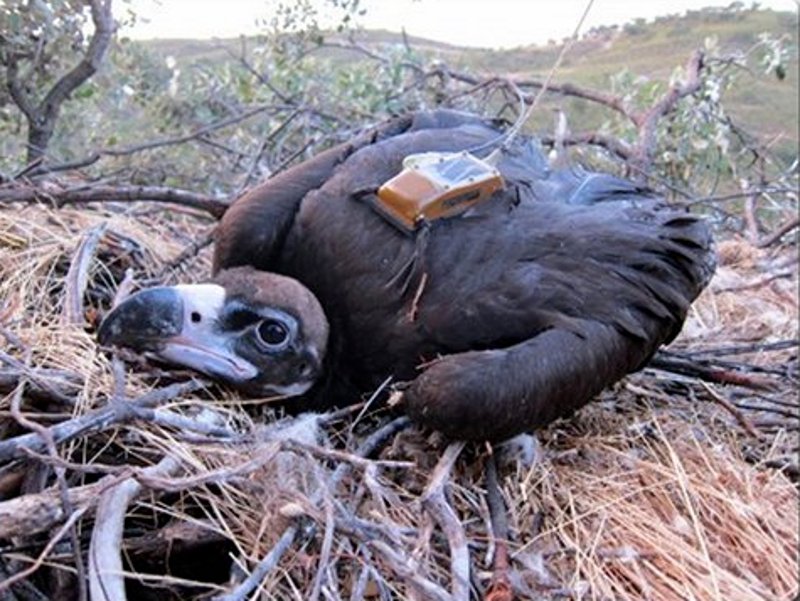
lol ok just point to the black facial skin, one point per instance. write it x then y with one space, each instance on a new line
271 340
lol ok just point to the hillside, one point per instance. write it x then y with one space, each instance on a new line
763 104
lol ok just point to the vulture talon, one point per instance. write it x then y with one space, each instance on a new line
526 314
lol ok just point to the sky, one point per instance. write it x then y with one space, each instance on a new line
479 23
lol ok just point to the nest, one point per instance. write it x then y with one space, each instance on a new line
143 483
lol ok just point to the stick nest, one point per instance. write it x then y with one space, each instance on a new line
123 478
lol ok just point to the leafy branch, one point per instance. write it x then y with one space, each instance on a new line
42 116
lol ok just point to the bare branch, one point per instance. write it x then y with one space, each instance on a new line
271 559
42 117
106 575
56 385
104 28
718 398
38 168
198 133
58 196
610 143
639 155
500 587
647 122
67 527
78 275
434 501
404 567
31 514
615 103
94 421
263 146
264 567
63 488
17 92
704 370
779 233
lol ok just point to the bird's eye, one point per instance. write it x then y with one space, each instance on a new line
272 333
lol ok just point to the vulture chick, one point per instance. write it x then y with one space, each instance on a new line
498 320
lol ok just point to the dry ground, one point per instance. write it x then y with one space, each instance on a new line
668 487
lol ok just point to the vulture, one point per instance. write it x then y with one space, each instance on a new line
492 321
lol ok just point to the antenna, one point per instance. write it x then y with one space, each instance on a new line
436 185
508 137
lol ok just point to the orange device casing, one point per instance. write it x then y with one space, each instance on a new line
433 186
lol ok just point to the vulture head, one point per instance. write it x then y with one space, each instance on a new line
513 306
261 332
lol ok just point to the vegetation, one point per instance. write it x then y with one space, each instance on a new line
34 52
152 91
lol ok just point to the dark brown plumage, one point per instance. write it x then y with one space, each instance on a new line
501 319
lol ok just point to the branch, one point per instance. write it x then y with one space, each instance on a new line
17 92
42 117
372 443
56 385
741 349
434 501
407 569
500 587
759 282
355 46
266 565
78 275
401 563
202 131
647 122
262 79
33 513
610 143
775 236
94 421
14 192
104 28
61 480
263 146
640 156
106 573
615 103
732 409
704 370
65 529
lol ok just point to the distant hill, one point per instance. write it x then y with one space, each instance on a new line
764 104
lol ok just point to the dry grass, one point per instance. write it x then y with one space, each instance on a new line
653 492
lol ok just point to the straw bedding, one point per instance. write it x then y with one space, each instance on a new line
667 487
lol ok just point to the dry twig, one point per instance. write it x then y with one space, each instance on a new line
59 196
95 421
106 575
500 587
78 275
434 501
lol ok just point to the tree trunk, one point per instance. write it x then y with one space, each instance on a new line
42 118
40 132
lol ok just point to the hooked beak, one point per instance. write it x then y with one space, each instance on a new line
179 325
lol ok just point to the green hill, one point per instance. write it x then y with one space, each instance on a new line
764 104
